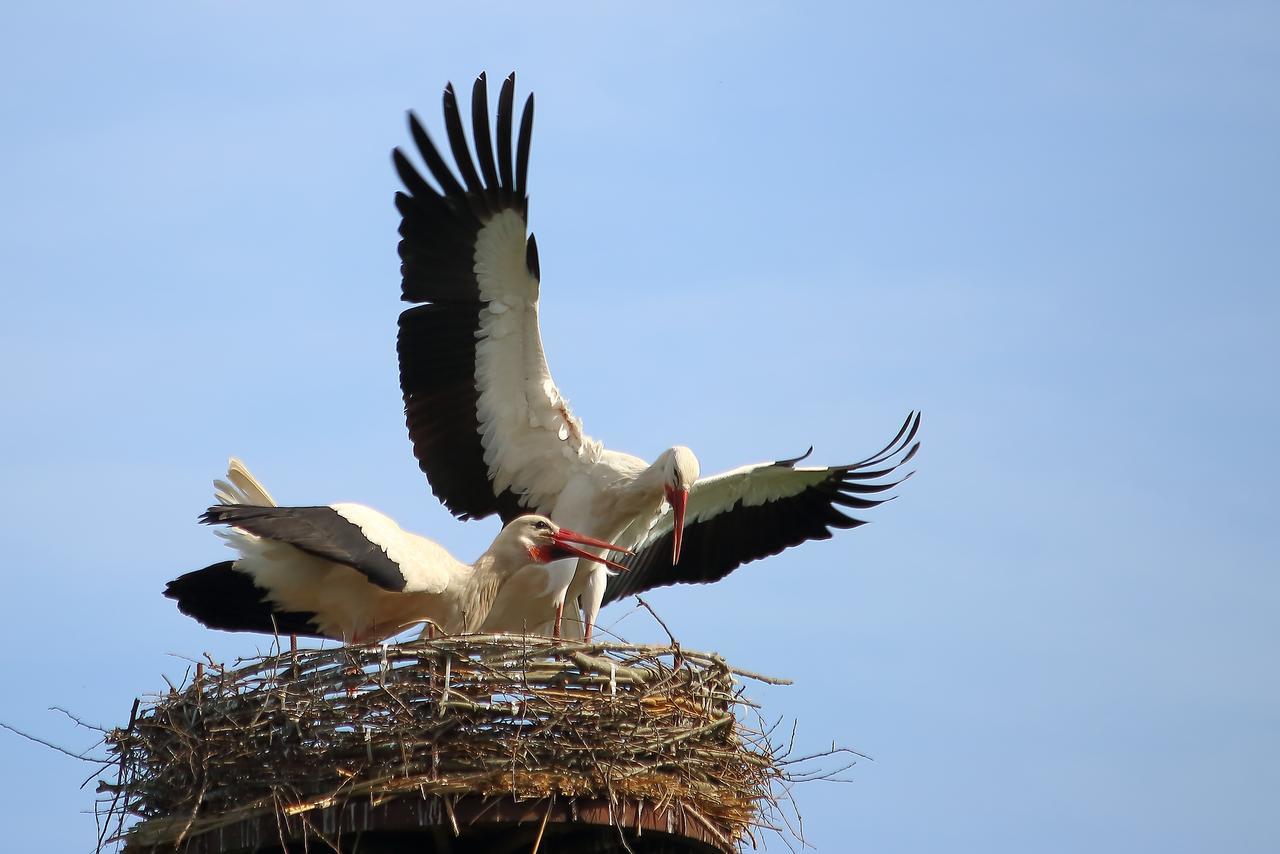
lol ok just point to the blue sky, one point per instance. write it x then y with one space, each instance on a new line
1050 226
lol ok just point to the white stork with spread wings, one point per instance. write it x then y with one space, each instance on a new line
494 435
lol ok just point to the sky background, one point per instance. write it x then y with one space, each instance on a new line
1053 227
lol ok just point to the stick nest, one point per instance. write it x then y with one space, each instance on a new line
483 715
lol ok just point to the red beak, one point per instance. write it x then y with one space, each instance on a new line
564 537
677 498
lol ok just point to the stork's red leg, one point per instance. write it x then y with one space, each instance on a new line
559 614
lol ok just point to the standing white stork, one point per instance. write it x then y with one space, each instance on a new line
348 572
493 434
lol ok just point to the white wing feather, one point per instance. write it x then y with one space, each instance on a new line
241 487
533 444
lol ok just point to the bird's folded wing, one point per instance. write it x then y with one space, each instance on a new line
756 511
348 534
489 427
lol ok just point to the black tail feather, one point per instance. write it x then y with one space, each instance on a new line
222 598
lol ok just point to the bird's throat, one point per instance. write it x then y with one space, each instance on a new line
541 554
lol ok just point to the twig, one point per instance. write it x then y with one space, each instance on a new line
661 622
83 757
453 819
79 721
537 842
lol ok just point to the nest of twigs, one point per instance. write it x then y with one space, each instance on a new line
284 735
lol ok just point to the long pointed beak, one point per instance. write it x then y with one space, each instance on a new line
677 498
564 537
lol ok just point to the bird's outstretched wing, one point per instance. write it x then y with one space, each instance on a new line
758 510
489 427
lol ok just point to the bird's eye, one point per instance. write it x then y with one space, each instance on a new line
542 526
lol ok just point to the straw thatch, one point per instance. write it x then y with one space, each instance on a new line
287 734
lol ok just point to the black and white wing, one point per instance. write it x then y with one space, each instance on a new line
488 425
222 597
349 534
757 511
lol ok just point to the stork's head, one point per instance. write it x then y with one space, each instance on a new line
544 541
680 472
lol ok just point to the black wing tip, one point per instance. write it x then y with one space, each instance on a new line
910 454
449 98
221 597
406 171
902 440
791 462
415 123
510 173
523 144
218 512
531 258
229 514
